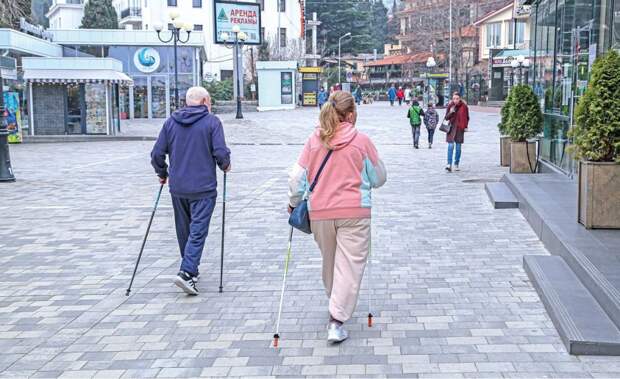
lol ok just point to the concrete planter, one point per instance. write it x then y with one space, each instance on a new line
504 151
599 191
519 157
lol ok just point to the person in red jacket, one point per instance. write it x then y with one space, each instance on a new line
400 94
458 114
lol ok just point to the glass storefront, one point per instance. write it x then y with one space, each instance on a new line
568 35
152 70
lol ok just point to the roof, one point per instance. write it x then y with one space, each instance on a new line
73 70
401 59
494 13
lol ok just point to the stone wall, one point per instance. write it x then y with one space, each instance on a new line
49 109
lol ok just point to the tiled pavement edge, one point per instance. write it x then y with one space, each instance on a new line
449 293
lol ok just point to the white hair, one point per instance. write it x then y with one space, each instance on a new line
195 96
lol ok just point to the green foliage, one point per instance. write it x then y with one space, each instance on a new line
263 51
99 14
366 20
525 119
596 134
39 9
505 113
220 90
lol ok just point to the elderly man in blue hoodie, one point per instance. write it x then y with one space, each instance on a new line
193 139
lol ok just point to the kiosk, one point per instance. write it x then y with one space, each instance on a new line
276 85
310 85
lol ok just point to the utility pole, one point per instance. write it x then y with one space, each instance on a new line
278 7
315 29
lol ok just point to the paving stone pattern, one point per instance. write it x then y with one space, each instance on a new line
448 290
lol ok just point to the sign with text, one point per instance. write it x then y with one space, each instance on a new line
246 16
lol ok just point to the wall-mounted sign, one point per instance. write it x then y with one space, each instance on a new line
286 87
521 10
244 15
36 30
146 59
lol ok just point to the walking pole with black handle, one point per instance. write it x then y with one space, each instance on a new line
222 245
148 228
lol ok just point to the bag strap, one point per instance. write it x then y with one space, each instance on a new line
316 178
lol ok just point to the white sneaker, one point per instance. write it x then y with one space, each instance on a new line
456 168
336 333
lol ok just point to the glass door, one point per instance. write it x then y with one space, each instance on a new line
159 104
75 108
140 97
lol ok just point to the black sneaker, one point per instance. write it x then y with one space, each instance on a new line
449 168
186 282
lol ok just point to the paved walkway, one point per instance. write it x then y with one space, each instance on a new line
448 288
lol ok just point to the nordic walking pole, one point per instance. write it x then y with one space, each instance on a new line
222 245
276 336
370 279
148 228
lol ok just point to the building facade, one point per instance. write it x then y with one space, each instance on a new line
281 24
568 36
504 35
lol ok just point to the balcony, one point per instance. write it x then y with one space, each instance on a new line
131 16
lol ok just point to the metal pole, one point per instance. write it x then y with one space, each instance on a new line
223 231
238 74
6 171
175 37
450 58
339 40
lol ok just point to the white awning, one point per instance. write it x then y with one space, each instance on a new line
76 76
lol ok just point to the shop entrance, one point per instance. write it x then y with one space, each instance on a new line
159 96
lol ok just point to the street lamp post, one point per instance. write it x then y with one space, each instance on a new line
339 41
6 172
519 63
430 63
177 27
238 38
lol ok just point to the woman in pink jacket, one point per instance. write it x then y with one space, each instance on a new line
340 203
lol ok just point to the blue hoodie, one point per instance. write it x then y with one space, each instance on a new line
194 140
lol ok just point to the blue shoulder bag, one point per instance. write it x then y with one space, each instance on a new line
300 216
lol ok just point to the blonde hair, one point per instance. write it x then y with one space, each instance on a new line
339 105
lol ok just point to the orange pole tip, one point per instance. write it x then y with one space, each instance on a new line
276 338
370 320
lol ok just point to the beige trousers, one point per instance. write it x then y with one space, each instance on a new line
344 246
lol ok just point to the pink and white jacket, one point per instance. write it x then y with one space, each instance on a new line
344 188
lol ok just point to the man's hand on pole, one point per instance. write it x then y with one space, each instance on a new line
227 169
162 181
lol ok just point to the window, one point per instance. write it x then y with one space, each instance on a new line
281 5
494 34
197 3
172 3
262 34
520 34
282 37
198 27
170 26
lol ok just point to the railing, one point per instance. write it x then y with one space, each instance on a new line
72 2
131 12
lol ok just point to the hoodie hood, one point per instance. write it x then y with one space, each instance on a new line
189 115
345 133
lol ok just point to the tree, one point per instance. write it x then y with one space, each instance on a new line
596 132
39 10
525 118
12 10
99 14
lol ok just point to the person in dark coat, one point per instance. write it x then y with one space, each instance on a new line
457 113
193 139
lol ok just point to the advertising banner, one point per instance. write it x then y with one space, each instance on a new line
14 117
244 15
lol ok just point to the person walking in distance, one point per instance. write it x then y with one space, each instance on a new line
322 97
391 94
415 114
340 204
407 95
193 139
400 94
431 118
457 113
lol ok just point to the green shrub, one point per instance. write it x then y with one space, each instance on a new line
505 113
596 133
525 119
220 90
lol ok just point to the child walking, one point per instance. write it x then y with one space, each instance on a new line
415 114
431 118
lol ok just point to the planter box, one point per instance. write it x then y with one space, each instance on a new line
504 151
518 157
599 191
